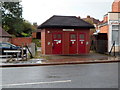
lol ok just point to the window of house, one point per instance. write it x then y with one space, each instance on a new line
59 36
82 36
115 27
115 36
55 36
73 36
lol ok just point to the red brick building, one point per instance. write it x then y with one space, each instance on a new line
36 34
65 35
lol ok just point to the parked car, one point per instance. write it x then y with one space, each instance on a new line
8 46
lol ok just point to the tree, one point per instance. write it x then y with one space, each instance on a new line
12 20
28 28
12 17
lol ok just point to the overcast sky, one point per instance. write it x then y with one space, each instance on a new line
40 10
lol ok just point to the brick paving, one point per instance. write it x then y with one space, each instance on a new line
78 58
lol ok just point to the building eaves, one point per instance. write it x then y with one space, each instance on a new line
65 22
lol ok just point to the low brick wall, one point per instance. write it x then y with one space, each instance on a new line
34 35
19 41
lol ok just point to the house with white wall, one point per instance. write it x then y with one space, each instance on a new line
111 26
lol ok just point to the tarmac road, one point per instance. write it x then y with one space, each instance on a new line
64 76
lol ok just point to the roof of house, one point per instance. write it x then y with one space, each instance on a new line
94 21
3 33
65 22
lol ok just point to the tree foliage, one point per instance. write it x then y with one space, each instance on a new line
28 28
11 17
12 20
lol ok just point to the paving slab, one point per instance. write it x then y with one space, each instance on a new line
63 59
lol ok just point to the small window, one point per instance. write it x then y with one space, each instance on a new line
54 36
73 36
82 36
59 36
115 36
115 27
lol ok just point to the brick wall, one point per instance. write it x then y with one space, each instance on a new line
33 34
116 6
105 19
19 41
43 41
47 37
104 29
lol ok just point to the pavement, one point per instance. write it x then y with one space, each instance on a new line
61 60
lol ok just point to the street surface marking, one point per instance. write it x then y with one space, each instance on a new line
63 81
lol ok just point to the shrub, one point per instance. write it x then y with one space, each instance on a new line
37 42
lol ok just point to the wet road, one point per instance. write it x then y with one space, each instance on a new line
63 76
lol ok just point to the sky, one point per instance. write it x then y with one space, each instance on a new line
41 10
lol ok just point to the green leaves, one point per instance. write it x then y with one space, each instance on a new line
11 17
12 20
12 8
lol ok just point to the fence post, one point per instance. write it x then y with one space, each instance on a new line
114 48
26 51
22 51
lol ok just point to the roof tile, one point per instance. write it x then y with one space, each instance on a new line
3 33
65 22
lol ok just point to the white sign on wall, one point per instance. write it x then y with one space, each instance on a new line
68 29
115 22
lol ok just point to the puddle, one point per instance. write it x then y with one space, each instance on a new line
53 76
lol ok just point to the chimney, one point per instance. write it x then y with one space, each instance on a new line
79 17
116 6
88 16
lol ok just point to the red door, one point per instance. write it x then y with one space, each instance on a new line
81 43
73 43
57 43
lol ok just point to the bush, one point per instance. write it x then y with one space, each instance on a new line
37 42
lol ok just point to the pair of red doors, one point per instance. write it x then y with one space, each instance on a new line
77 43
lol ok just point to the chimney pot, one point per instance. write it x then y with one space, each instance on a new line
88 16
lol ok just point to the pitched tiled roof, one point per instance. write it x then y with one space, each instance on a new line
94 21
65 22
3 33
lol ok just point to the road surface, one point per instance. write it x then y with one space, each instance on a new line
63 76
